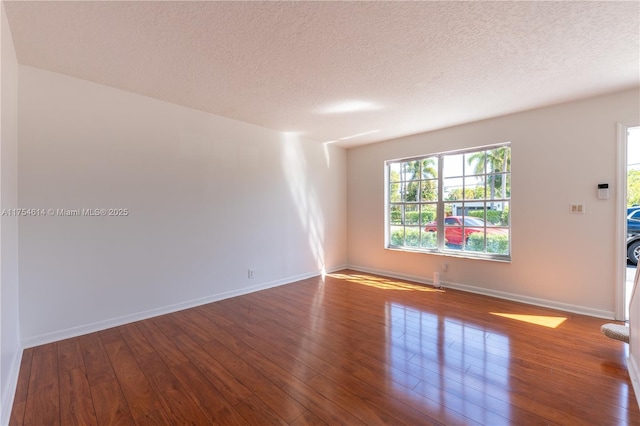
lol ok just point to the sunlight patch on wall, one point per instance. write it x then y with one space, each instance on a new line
545 321
304 196
327 155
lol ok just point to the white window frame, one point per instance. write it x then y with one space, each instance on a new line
441 245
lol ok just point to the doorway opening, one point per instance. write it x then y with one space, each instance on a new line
632 201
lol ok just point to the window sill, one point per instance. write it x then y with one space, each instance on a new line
453 253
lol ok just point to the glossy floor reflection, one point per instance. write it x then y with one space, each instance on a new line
502 370
347 348
441 352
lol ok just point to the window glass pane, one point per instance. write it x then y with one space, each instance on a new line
474 222
474 188
493 217
411 170
412 236
475 240
430 168
394 172
498 240
452 189
475 163
453 165
499 159
494 185
498 185
396 237
505 191
453 232
412 191
504 215
429 191
477 210
395 214
494 211
431 226
411 214
453 221
395 193
429 238
449 209
428 213
452 242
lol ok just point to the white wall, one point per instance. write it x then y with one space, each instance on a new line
559 155
208 198
9 331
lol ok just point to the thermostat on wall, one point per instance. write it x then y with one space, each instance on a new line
603 191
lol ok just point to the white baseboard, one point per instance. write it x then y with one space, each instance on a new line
9 391
583 310
138 316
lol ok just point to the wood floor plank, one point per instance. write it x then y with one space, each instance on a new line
110 335
44 372
110 405
155 418
284 357
168 324
205 395
17 413
162 345
231 335
193 324
96 361
22 388
76 403
138 344
320 406
140 397
43 399
256 412
221 378
308 419
334 376
347 399
349 348
282 404
70 355
205 320
178 406
42 408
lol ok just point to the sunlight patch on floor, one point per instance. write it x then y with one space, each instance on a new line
383 283
543 320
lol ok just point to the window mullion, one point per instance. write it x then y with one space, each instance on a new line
440 207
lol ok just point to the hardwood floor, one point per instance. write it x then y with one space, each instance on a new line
353 349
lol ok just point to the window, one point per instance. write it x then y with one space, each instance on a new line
455 202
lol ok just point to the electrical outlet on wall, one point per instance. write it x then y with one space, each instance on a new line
577 208
250 273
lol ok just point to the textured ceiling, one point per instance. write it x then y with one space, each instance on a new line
342 72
